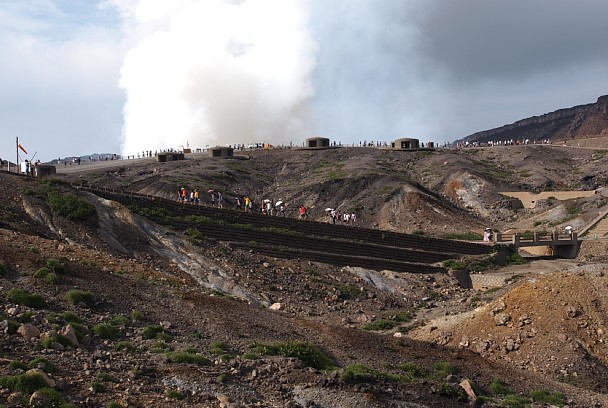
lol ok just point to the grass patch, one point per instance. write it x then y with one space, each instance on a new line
21 297
515 401
444 368
359 373
43 364
97 387
155 332
120 321
137 316
26 383
183 357
413 370
70 206
548 397
381 324
175 395
307 353
125 346
47 275
106 331
499 387
463 236
3 267
348 291
75 297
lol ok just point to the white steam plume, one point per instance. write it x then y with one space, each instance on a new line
209 72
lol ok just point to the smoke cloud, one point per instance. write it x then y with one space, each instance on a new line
215 72
207 72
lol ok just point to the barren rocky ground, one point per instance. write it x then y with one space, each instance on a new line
130 313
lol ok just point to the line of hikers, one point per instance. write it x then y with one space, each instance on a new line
245 203
216 197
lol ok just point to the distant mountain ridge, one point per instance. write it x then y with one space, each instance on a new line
578 122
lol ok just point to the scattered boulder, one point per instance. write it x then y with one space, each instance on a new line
468 388
28 331
502 319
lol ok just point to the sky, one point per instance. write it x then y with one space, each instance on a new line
79 77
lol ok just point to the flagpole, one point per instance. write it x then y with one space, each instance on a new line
17 162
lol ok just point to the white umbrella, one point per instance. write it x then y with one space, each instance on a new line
278 203
267 201
329 209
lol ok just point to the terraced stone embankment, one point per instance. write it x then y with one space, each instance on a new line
284 237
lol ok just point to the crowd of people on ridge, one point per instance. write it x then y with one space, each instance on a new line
245 203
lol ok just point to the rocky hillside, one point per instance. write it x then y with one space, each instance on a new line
103 307
578 122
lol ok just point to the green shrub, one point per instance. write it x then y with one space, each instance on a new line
41 273
43 364
70 317
120 320
164 336
34 250
75 297
174 394
404 316
380 325
359 373
552 398
55 266
17 365
125 346
70 206
135 315
308 353
106 377
106 331
46 343
24 298
516 259
515 401
499 387
348 291
454 392
113 405
218 347
46 274
444 368
182 357
464 236
13 326
26 383
3 267
413 370
97 387
52 397
150 332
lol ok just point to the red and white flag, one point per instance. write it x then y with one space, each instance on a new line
22 148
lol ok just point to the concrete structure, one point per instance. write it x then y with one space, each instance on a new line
169 156
317 142
221 152
561 245
43 170
406 143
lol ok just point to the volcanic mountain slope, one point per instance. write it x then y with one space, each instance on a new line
422 192
158 291
578 122
135 321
